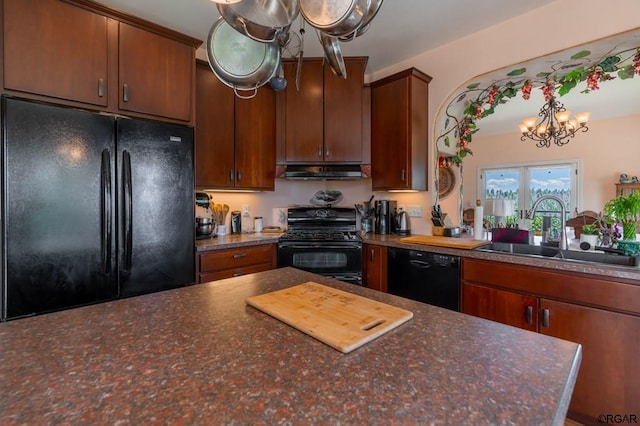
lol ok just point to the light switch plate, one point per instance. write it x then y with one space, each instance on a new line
415 211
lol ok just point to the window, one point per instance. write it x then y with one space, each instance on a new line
525 183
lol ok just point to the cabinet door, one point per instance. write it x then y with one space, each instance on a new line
214 145
390 135
343 113
304 113
375 266
55 49
155 74
502 306
607 381
255 151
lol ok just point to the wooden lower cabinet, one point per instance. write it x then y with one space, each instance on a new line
374 266
608 380
219 264
506 307
601 314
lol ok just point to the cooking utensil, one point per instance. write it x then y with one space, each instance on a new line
342 320
239 61
263 21
278 83
337 18
300 55
333 53
204 225
366 22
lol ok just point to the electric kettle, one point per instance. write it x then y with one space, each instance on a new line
401 223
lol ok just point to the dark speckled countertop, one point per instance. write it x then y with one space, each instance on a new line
200 355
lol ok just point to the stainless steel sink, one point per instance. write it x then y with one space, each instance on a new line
554 252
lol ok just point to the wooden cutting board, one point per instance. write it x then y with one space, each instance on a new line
342 320
433 240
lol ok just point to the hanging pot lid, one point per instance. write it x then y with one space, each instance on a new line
333 54
366 22
239 61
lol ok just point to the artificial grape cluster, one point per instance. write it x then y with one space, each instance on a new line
548 89
526 90
593 79
492 95
636 62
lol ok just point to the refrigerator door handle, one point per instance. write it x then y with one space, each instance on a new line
105 222
127 213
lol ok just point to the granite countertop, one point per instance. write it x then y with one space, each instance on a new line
200 355
611 271
221 242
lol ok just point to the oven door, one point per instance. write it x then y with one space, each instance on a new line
330 259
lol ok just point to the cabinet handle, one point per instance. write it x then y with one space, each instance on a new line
545 318
239 176
239 255
101 87
529 314
319 151
237 274
231 175
373 255
402 173
327 152
125 92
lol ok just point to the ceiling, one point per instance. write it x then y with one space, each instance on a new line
401 30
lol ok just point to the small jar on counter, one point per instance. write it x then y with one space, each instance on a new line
257 224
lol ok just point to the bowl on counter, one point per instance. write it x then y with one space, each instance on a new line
204 226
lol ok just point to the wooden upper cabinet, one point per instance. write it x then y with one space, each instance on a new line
304 134
235 138
323 120
55 49
343 113
155 74
214 132
255 142
399 131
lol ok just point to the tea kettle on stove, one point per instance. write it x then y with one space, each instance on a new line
401 222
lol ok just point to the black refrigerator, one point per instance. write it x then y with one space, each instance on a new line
94 207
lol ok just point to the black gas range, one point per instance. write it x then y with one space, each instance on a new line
322 240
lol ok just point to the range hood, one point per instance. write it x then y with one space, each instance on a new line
328 172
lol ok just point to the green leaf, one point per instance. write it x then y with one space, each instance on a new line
576 74
447 142
581 54
626 72
566 87
473 86
510 93
543 74
610 64
462 154
517 72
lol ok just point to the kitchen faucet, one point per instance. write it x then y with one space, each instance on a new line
564 244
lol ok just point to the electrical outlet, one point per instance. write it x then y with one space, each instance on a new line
245 210
415 211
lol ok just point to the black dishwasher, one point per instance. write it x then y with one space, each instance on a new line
431 278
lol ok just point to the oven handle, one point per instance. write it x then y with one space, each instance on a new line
312 246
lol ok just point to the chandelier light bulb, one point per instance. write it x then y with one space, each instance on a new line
563 116
582 118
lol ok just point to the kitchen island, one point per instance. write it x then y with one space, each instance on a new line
200 355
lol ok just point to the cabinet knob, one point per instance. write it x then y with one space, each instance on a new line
125 92
545 318
101 87
529 314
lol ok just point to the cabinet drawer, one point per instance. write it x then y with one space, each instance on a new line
219 260
236 272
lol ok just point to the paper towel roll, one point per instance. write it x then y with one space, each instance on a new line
478 218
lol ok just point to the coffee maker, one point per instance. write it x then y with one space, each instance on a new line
384 210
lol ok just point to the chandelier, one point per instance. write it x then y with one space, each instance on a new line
555 126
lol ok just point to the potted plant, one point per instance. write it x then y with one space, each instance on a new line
624 209
590 234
